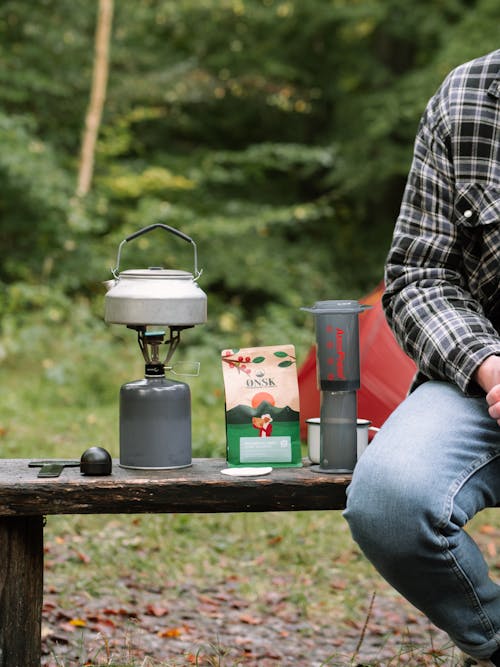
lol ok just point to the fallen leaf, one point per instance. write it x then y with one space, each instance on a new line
487 529
208 600
99 620
120 612
156 610
170 632
337 642
249 619
83 557
195 659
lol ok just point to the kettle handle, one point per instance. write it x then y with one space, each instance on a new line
142 231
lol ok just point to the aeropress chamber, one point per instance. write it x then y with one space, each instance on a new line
338 379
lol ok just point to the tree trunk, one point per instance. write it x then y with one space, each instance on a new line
97 96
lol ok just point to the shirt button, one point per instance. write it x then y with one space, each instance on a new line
468 213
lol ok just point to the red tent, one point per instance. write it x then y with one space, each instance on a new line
386 371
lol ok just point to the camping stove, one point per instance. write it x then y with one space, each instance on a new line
155 412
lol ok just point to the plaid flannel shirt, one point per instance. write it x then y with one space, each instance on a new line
442 272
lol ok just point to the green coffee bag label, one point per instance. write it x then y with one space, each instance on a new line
262 406
262 450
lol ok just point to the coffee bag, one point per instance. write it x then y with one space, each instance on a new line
262 406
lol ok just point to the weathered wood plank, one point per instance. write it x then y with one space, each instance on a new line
199 488
21 590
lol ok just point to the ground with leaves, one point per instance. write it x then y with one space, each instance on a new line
128 593
214 626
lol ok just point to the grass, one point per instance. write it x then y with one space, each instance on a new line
302 567
298 574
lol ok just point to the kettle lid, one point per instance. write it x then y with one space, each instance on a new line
156 273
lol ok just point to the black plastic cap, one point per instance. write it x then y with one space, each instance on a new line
96 461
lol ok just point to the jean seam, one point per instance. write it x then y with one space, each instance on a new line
468 588
461 576
459 482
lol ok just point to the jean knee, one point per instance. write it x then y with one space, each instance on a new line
363 513
386 512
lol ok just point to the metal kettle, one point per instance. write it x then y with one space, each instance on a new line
155 296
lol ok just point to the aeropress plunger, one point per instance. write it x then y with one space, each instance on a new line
338 378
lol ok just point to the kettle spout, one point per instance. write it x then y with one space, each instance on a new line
108 284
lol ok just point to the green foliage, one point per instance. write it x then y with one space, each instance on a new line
46 57
276 133
33 192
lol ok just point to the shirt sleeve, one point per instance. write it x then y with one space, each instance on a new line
435 318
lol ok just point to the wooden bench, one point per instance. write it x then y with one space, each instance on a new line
25 499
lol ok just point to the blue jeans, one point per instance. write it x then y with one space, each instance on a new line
434 464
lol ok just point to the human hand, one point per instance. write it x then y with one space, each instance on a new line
493 400
488 377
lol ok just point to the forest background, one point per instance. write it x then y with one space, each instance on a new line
276 133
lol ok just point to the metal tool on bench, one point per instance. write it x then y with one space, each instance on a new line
53 467
94 461
338 378
155 412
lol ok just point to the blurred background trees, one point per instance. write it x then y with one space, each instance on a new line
276 133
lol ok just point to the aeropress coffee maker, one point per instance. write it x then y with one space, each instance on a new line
338 379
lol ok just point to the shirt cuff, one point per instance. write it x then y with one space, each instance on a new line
473 358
